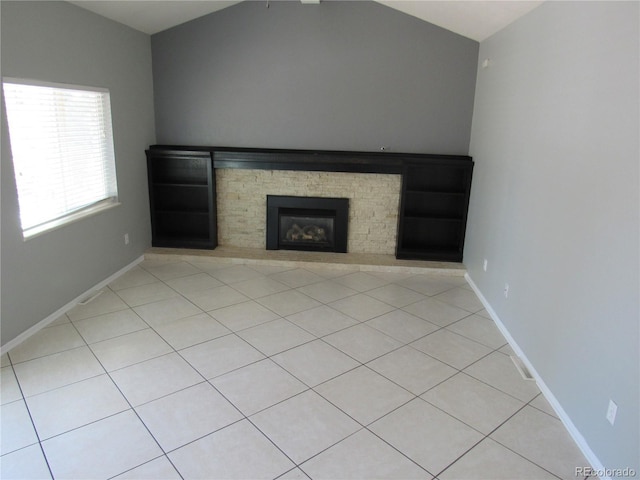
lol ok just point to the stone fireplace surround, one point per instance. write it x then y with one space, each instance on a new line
373 204
371 181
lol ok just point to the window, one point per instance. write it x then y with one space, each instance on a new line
62 148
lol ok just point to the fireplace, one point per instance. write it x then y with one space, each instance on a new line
307 223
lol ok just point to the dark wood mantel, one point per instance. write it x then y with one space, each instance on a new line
313 160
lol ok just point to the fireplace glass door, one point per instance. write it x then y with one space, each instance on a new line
307 223
306 230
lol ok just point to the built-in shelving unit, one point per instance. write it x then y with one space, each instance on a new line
433 203
433 209
182 198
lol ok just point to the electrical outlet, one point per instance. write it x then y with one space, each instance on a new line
126 239
612 411
506 290
485 264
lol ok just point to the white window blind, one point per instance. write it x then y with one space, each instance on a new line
62 148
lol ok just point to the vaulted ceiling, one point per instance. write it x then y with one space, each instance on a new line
474 19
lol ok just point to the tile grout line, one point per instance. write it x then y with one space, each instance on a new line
309 388
131 407
364 427
35 430
134 411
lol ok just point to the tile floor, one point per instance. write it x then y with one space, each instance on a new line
203 369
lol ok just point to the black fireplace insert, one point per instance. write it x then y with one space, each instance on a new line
307 223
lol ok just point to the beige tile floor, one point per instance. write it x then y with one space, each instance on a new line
207 369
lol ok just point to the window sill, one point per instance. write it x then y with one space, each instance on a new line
68 219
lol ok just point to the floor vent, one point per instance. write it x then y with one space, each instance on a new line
90 298
524 371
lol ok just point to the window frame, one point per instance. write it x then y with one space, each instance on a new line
76 214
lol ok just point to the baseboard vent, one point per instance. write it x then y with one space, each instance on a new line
90 298
520 366
85 297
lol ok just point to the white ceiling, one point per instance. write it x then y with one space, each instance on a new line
475 19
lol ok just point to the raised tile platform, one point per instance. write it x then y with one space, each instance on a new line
349 261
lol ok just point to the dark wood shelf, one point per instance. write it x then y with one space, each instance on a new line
433 254
427 193
182 198
431 218
183 212
433 210
185 185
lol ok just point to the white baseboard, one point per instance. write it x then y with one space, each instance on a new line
548 394
64 309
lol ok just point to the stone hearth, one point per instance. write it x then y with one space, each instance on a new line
364 262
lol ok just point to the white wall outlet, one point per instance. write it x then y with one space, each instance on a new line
506 290
612 411
485 264
126 239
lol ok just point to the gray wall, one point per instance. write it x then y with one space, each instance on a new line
555 207
59 42
339 75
